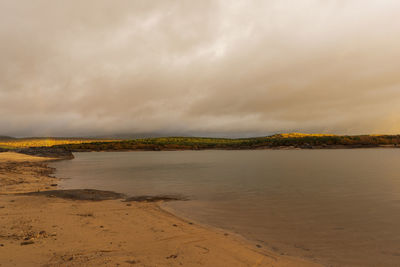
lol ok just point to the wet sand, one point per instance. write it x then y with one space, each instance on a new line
49 229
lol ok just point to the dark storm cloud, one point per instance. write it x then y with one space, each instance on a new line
199 67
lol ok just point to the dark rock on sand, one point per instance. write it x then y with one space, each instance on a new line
98 195
79 194
155 198
173 256
29 242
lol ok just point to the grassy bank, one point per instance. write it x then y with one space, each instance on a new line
292 140
274 141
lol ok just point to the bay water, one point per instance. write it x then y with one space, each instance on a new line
338 207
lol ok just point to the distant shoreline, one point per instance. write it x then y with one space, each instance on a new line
241 148
67 153
63 148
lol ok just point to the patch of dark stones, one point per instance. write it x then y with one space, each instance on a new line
155 198
99 195
79 194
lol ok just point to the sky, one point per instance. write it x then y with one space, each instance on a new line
206 68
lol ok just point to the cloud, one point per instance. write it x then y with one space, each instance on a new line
199 67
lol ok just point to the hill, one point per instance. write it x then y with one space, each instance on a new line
277 141
280 141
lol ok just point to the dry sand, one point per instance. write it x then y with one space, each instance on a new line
51 231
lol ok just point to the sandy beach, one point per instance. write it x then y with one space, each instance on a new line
52 231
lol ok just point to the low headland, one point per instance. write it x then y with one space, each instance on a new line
62 147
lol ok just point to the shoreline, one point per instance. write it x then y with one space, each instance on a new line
328 147
53 231
63 153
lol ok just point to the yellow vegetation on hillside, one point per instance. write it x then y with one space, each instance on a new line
47 142
294 135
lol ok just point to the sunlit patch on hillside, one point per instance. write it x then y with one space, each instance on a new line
294 135
45 142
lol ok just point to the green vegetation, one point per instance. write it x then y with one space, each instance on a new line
292 140
274 141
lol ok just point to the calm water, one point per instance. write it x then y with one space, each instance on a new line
338 207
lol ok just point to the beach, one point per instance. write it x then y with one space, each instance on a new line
48 230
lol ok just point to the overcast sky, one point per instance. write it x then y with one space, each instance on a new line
98 67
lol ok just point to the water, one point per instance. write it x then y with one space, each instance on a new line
337 207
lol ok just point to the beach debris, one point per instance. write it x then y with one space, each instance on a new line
173 256
1 245
2 207
28 242
89 214
174 225
42 233
67 257
54 185
259 246
31 235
